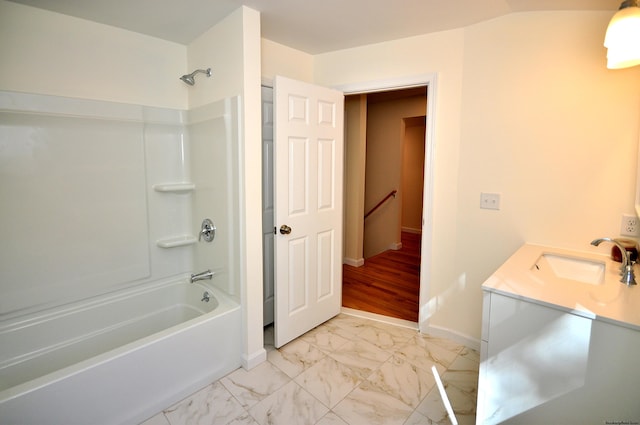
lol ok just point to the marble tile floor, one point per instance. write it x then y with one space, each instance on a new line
347 371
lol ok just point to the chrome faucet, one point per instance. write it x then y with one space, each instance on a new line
202 276
626 271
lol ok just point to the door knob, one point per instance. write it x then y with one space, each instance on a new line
285 230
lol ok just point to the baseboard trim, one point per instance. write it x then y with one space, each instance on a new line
395 246
458 337
411 230
249 361
353 262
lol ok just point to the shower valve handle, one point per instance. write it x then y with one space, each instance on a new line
207 230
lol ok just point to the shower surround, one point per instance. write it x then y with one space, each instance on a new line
100 215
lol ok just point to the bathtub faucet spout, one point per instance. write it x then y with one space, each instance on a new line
202 276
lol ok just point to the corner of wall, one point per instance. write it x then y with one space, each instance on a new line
278 59
250 191
251 360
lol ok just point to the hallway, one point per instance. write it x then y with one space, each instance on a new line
347 371
388 283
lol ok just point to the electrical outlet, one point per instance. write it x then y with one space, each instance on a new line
630 225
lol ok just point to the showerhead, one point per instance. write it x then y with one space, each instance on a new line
190 78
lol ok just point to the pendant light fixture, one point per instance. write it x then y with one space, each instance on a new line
623 36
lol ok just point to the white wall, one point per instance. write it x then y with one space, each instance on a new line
278 59
440 53
91 170
50 53
217 161
221 49
251 181
232 50
524 107
552 130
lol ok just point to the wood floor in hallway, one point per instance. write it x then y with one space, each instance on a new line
388 283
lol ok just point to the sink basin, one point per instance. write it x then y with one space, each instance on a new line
574 268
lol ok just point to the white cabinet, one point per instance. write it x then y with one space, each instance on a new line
544 365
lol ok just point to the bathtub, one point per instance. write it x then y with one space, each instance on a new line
119 359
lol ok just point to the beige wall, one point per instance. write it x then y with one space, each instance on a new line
413 174
385 131
525 107
354 178
50 53
278 59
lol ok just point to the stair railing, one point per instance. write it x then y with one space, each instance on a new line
379 204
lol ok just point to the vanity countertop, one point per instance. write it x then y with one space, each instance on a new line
523 276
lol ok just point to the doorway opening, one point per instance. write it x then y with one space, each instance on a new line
353 217
384 183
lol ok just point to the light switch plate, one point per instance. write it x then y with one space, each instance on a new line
490 201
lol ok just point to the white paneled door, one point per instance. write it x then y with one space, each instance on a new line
308 170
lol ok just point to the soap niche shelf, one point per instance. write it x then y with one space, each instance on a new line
177 241
178 188
184 187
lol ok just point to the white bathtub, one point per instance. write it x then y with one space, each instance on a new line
117 360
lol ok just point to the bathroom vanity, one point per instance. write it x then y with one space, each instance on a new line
560 341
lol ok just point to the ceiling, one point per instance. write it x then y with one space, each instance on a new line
310 26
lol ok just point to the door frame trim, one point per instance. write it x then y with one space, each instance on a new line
429 80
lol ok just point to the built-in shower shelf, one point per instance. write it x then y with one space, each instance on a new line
174 187
177 241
